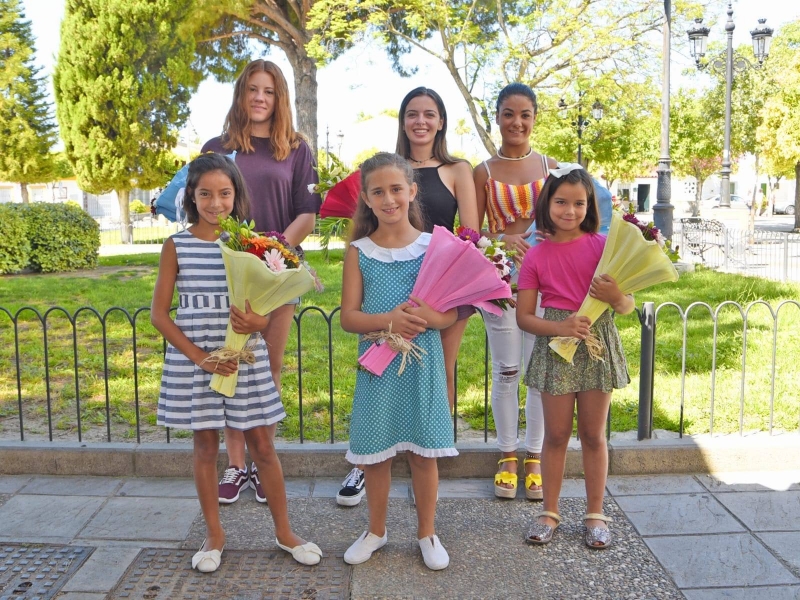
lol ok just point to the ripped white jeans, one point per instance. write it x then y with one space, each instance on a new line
511 348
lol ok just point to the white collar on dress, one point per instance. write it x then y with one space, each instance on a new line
414 250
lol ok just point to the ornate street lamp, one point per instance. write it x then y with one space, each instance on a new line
762 38
582 122
663 208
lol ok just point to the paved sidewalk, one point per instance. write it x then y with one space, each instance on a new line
698 537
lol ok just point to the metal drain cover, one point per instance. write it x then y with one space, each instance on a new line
167 574
29 572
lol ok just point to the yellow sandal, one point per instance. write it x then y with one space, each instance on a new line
533 479
505 477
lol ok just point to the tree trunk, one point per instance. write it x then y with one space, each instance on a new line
305 93
477 119
125 216
751 220
23 190
797 196
697 196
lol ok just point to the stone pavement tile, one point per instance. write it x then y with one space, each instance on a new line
298 488
765 511
80 596
325 487
46 517
248 525
72 486
678 514
3 499
786 545
773 592
751 481
466 488
102 570
718 560
142 519
158 487
640 485
572 488
10 484
489 558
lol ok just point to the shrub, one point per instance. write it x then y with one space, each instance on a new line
63 237
15 249
139 208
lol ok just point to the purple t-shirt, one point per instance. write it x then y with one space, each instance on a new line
562 272
278 189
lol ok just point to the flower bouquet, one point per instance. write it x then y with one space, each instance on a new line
494 250
263 269
454 272
634 262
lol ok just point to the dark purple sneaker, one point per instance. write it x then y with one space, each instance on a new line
233 481
255 483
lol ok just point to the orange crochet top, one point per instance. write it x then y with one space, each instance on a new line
505 203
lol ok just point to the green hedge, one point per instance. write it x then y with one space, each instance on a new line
15 249
62 236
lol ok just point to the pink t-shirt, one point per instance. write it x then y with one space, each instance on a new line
562 272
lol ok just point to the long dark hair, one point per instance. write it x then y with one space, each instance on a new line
237 128
206 163
590 224
440 152
364 220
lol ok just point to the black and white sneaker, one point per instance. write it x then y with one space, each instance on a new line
352 489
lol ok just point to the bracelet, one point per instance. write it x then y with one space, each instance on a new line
500 237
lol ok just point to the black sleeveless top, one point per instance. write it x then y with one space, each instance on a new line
438 204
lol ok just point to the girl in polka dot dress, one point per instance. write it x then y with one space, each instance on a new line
395 412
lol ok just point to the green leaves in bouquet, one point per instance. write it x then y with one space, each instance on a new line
332 227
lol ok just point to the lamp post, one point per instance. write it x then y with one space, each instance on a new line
663 208
340 137
582 122
762 37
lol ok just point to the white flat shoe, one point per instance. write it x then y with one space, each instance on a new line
433 553
307 554
361 550
207 561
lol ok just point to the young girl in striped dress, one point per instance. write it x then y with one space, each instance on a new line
192 261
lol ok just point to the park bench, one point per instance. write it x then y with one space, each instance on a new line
701 235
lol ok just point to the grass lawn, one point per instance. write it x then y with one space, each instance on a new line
120 290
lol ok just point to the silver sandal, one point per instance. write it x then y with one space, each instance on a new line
597 538
540 533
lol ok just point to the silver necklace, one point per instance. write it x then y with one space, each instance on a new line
523 157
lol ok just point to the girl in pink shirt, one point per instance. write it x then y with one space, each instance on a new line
561 269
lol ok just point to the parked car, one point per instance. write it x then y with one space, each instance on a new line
736 202
784 207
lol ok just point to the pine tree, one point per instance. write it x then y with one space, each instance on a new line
123 83
27 129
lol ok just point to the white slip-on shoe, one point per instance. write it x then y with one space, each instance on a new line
433 553
207 561
306 554
363 547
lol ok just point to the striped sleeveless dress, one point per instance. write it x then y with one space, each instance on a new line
186 401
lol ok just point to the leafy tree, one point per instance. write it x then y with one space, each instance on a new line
27 129
696 145
122 85
622 145
225 28
779 134
484 44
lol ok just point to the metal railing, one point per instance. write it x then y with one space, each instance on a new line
65 353
770 254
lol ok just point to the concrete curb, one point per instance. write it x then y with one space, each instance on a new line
702 454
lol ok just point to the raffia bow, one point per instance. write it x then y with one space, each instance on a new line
224 354
593 346
397 343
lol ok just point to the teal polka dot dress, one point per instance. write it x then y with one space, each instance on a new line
393 413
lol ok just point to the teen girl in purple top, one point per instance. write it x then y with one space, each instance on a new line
277 166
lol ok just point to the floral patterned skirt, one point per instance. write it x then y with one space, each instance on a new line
548 372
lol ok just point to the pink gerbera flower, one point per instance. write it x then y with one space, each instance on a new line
275 261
